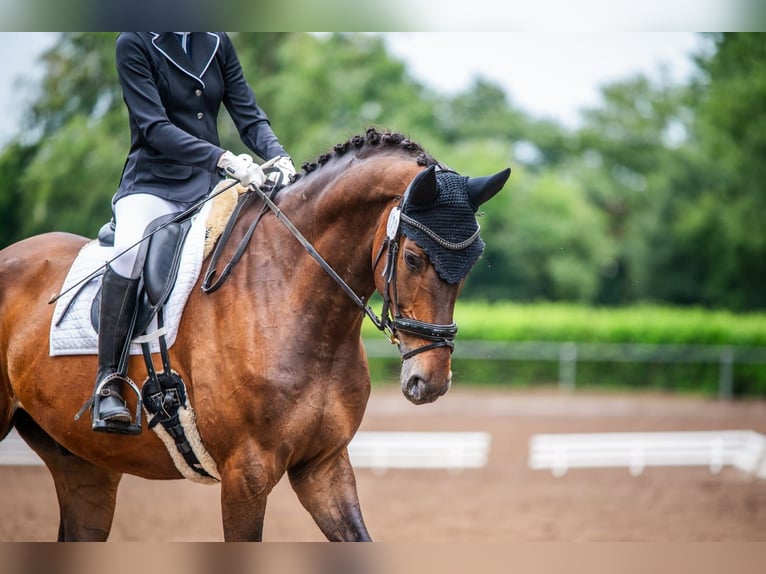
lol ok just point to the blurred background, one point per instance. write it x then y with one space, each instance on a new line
625 260
633 220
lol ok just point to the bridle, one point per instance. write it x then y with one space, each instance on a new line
391 321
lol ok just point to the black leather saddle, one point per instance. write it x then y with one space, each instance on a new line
161 256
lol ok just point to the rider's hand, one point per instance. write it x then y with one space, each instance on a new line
283 164
243 168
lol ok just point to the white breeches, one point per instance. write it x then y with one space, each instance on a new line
132 214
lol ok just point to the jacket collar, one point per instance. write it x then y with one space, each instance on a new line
204 46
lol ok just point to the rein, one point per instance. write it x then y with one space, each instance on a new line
180 217
380 324
208 286
441 335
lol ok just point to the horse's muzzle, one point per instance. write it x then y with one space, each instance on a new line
420 391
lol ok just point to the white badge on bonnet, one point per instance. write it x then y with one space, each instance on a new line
392 227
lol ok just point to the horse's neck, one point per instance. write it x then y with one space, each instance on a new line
340 220
339 213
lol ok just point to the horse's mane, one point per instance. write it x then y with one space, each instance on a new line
371 143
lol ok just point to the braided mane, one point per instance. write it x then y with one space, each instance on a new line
374 141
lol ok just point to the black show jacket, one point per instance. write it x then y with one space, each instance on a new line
173 101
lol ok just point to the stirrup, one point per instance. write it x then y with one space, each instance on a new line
101 425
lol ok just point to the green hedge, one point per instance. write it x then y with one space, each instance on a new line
641 324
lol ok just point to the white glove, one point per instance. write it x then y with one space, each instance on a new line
281 164
243 168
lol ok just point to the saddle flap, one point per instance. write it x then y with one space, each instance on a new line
161 255
162 260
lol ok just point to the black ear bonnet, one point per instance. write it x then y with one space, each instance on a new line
439 214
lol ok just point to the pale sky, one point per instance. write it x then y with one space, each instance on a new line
18 70
547 74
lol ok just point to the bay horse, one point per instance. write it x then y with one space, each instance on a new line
273 360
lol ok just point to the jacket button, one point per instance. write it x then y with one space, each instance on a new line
200 115
197 92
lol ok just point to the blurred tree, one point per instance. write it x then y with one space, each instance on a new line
80 80
733 133
13 161
548 243
320 90
623 147
484 112
658 196
707 244
69 183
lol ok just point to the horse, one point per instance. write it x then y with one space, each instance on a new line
273 360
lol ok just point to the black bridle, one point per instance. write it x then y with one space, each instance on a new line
390 321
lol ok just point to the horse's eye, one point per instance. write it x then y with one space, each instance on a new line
413 262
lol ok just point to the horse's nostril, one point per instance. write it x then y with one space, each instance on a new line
415 388
419 391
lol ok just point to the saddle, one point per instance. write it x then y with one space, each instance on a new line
163 394
160 258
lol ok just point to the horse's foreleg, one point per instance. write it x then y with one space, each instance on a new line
86 493
328 492
245 485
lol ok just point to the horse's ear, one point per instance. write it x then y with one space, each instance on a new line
481 189
423 189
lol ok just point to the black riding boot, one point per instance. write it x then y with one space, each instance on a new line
118 302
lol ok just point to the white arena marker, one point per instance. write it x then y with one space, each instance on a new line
741 449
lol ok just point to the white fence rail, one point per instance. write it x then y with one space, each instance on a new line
744 450
376 450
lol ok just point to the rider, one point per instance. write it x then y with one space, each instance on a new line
173 84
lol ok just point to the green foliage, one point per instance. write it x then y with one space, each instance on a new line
732 133
657 198
319 91
80 80
640 325
648 324
57 200
12 216
548 242
624 146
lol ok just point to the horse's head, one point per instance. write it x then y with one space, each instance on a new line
431 242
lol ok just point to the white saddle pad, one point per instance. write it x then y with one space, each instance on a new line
75 334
